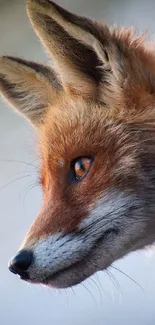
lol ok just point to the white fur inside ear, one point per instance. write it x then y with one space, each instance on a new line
101 54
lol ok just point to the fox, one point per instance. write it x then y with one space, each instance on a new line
93 108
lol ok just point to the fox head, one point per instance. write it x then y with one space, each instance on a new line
94 110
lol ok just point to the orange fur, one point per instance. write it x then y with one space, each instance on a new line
98 100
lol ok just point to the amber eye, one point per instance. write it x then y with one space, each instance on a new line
81 167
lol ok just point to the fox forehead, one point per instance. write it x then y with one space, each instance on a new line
66 131
75 127
70 130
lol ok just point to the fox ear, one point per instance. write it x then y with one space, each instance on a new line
78 46
28 86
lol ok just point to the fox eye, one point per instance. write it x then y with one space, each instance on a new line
79 168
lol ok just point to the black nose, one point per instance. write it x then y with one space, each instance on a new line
20 263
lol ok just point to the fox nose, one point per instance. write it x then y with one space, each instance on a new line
20 263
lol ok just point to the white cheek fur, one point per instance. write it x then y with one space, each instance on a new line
106 212
59 251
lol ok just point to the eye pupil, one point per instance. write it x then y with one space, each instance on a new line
81 165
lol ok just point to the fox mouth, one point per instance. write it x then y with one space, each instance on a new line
55 276
79 267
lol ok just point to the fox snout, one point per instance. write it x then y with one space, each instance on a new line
65 258
94 112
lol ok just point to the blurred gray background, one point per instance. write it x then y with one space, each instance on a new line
105 299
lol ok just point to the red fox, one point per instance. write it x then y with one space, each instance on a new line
94 110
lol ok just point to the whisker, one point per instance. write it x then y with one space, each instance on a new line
66 294
114 281
72 289
20 173
93 230
14 180
100 285
98 288
89 292
97 222
28 189
20 162
135 282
